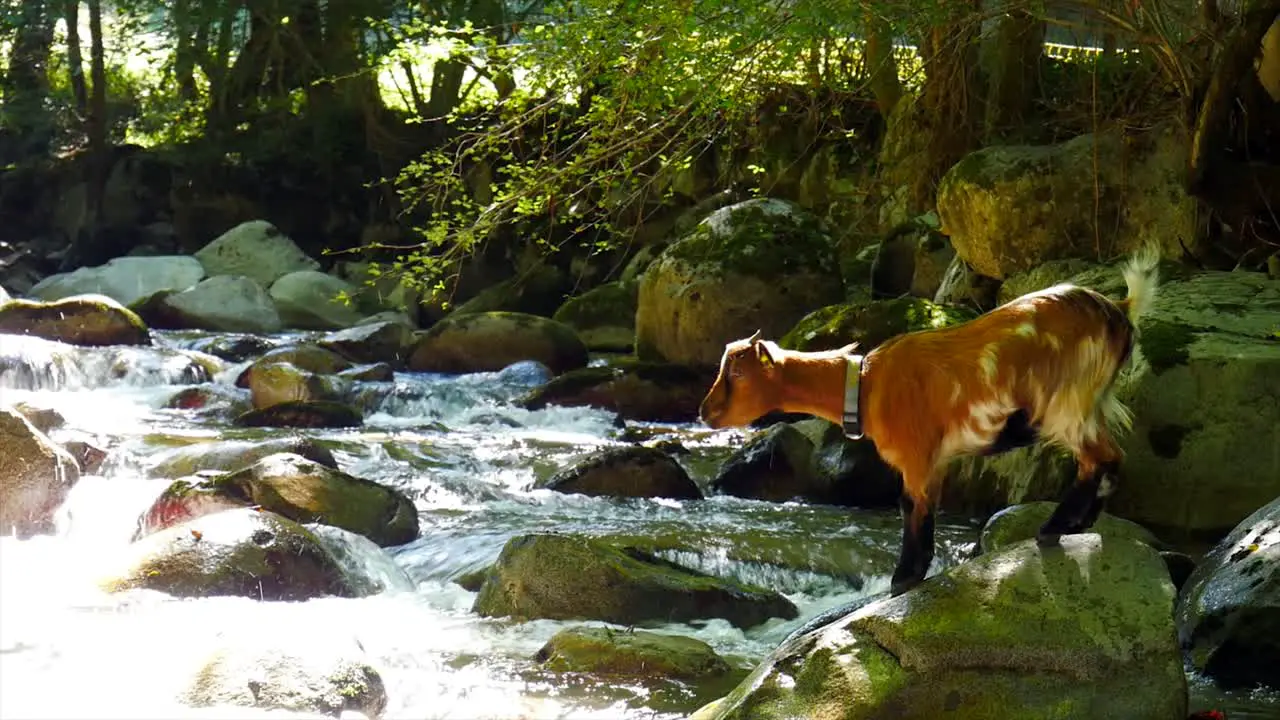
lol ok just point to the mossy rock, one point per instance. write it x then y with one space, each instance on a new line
537 291
242 552
563 577
373 372
385 342
304 356
232 348
490 341
1081 631
295 488
318 414
280 382
633 653
870 324
636 472
228 455
1021 522
636 390
757 265
604 316
91 320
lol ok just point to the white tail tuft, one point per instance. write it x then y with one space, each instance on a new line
1142 275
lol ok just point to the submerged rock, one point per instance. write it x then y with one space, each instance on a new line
654 392
92 320
296 488
307 414
564 577
35 477
241 552
228 455
1229 611
761 265
1080 631
257 250
630 652
490 341
636 472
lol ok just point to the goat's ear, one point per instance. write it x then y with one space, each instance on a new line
764 355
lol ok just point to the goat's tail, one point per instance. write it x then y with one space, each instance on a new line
1142 275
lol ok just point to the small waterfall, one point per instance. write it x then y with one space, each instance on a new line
36 364
953 280
363 559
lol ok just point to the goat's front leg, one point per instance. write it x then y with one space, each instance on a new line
1098 462
917 535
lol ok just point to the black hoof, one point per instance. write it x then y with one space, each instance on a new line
1048 539
898 587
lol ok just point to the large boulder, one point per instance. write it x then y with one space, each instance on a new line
636 390
604 316
225 303
312 300
757 265
256 250
92 320
296 488
35 476
1229 611
280 382
1010 208
635 653
1082 631
240 552
538 290
636 472
124 279
228 455
490 341
564 577
870 323
388 342
304 356
1022 522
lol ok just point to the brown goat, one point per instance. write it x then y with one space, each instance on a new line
1040 367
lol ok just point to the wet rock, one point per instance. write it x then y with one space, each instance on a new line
88 457
312 300
485 342
812 461
527 373
655 392
92 320
1229 612
386 342
983 485
318 414
232 348
563 577
35 477
757 265
636 472
537 291
228 455
256 250
871 323
43 419
209 399
223 303
1082 631
239 552
280 382
636 653
604 317
277 676
304 356
124 279
373 372
1021 522
296 488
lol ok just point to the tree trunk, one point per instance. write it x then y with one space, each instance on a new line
1013 73
75 63
950 98
26 84
881 64
185 55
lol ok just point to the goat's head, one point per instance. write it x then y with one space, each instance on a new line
747 387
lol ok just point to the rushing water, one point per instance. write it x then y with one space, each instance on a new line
470 460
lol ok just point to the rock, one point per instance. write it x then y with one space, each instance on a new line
963 287
1021 522
1010 208
1229 612
644 391
784 463
256 250
912 260
870 324
1084 632
635 653
92 320
275 676
280 382
386 342
228 455
209 400
537 291
382 289
373 372
224 303
563 577
232 348
604 317
239 552
315 414
635 472
35 477
984 484
43 419
88 457
486 342
757 265
304 356
124 279
312 300
296 488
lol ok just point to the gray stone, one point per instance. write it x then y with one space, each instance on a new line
312 300
226 303
256 250
125 279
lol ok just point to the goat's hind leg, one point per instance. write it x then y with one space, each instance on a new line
917 542
1098 462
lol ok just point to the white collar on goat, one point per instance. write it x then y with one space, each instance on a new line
853 396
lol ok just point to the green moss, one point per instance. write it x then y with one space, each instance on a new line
1165 344
91 320
302 414
870 324
609 304
760 243
630 652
